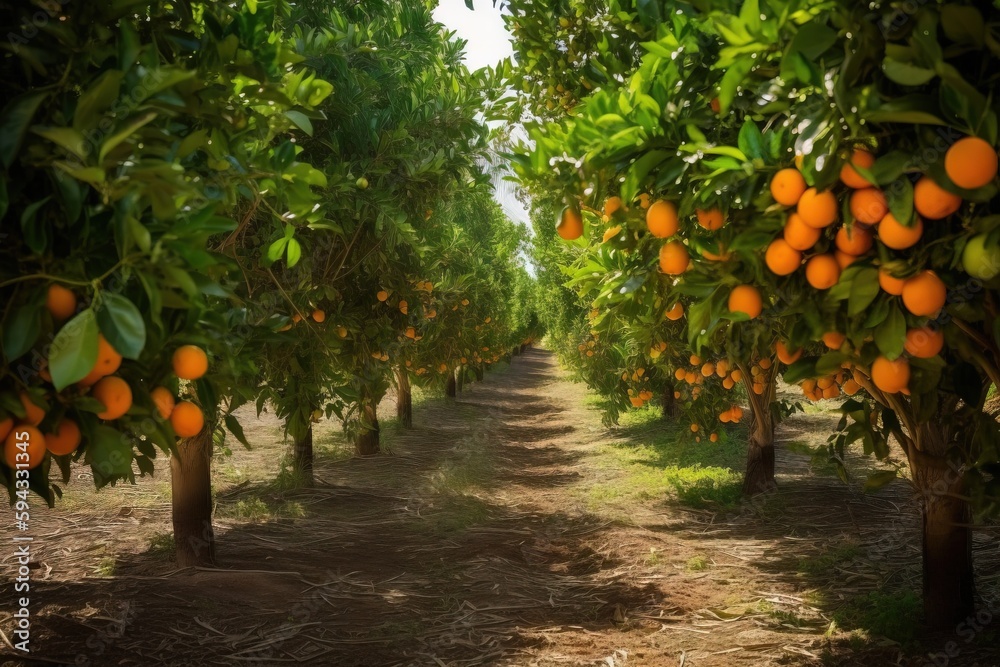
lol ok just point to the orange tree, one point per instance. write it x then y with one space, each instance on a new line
117 166
892 200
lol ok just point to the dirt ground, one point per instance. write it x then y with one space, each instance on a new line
476 543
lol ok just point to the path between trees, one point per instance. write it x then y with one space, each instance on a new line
477 542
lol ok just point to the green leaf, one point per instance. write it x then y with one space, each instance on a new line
916 109
751 141
66 137
109 454
122 324
21 330
97 99
964 25
890 335
35 233
276 250
300 120
131 128
74 350
14 122
879 479
900 197
294 252
802 369
236 429
864 289
637 173
907 74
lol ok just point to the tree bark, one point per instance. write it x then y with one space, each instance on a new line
191 497
523 348
669 402
948 581
450 387
302 454
367 443
478 369
460 382
404 398
516 351
759 474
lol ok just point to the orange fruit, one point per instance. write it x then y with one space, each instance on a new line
868 205
971 163
850 387
781 258
891 376
32 444
737 375
695 360
108 361
714 437
296 318
611 233
187 419
318 315
680 373
844 260
569 227
662 220
849 176
61 302
834 339
410 332
190 362
932 201
694 428
889 283
708 370
404 307
342 332
785 355
677 312
818 209
787 186
674 259
33 414
728 383
644 201
66 438
163 400
855 240
924 342
825 382
833 391
715 105
116 396
382 296
710 219
897 236
746 299
822 271
612 205
5 426
798 234
924 295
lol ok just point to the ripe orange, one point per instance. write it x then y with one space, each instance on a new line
187 419
891 376
612 205
680 373
932 201
33 414
924 342
61 302
32 444
850 176
318 315
662 220
924 294
855 240
714 437
787 187
66 438
844 260
781 258
644 201
746 299
163 400
728 383
410 332
850 387
342 331
677 312
404 307
108 361
798 234
834 339
737 375
715 105
889 283
5 426
296 318
695 360
868 205
611 233
569 227
897 236
674 259
785 355
694 428
818 209
382 296
822 271
708 370
116 396
711 219
190 362
971 163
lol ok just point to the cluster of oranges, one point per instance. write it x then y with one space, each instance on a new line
970 163
638 396
23 436
830 386
318 315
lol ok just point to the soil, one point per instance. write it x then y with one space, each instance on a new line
473 543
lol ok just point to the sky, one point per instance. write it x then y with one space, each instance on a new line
488 42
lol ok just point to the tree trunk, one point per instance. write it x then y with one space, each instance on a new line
759 474
367 443
460 383
302 455
948 583
450 387
669 402
478 369
523 348
404 398
191 496
516 351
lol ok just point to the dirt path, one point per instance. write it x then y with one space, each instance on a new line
478 542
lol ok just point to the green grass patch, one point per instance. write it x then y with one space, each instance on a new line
697 564
819 457
161 546
895 616
824 563
257 509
